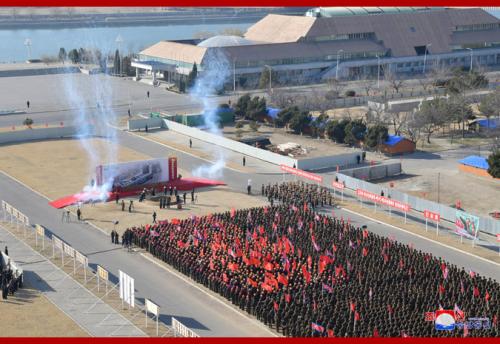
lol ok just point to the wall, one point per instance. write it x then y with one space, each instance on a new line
37 134
486 225
39 71
231 144
329 161
140 124
402 147
374 172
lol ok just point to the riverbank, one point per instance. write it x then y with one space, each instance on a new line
68 18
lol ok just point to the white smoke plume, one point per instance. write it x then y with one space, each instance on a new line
92 115
216 70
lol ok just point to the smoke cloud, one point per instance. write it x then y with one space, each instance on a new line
91 97
216 71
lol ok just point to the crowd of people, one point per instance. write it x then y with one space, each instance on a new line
306 274
10 281
298 193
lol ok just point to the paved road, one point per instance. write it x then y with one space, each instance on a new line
177 298
203 314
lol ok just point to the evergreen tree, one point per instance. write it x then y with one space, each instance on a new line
494 164
376 135
62 54
241 107
116 63
74 56
354 132
192 76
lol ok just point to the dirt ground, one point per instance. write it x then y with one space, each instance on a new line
61 167
314 147
57 168
214 200
38 316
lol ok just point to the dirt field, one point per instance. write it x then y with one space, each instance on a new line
60 167
209 201
38 316
314 147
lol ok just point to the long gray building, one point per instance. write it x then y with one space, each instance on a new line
350 45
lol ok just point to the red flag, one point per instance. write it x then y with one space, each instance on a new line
365 251
389 309
487 296
211 264
309 261
180 244
330 333
307 274
466 330
441 289
287 298
352 306
356 316
225 278
233 266
401 263
266 287
375 332
476 291
282 279
232 212
365 233
269 266
276 306
321 266
252 282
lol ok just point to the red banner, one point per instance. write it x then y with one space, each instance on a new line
383 200
300 173
432 216
338 185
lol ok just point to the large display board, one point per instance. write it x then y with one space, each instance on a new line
136 173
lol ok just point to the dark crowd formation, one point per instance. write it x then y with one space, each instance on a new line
308 275
298 193
10 281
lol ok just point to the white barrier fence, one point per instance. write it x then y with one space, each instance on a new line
16 215
180 330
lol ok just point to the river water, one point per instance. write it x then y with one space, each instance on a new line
135 38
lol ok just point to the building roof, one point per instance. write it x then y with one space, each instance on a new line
393 140
176 51
399 32
475 161
492 123
275 28
469 37
224 41
352 11
262 52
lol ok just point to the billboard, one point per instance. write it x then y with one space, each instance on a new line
134 173
466 224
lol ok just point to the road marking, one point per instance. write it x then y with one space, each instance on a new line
422 237
190 282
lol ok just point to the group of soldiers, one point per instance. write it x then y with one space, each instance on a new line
9 283
299 193
310 275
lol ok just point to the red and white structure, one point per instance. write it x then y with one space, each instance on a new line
429 215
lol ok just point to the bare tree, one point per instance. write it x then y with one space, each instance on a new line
368 87
393 80
232 31
412 127
426 83
431 116
490 105
376 113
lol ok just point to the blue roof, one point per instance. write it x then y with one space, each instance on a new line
494 122
475 161
393 140
273 112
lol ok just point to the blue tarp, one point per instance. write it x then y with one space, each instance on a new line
273 112
494 122
475 161
393 140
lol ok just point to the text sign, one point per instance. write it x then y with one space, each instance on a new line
81 259
338 185
498 237
432 216
184 331
383 200
127 289
70 251
103 274
152 307
300 173
40 230
57 242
